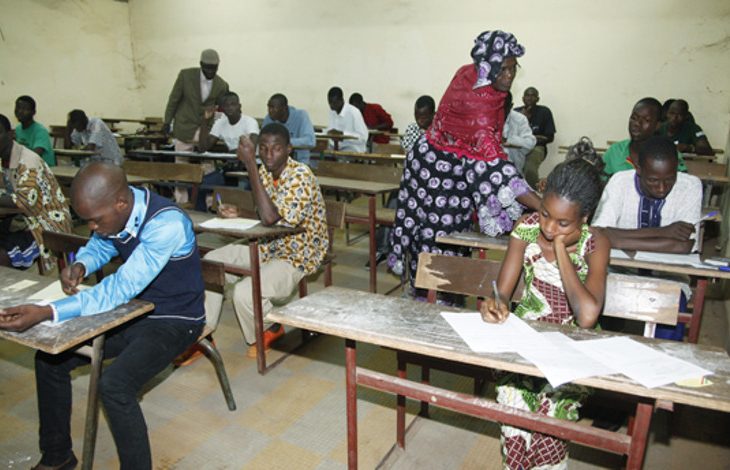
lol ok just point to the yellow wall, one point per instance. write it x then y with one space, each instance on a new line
67 54
591 61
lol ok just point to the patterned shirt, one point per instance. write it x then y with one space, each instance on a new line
299 200
544 298
411 136
36 192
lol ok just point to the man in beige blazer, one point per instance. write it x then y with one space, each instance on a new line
195 90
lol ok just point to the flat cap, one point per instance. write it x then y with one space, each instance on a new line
210 56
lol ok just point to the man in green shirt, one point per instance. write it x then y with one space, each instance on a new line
30 133
643 123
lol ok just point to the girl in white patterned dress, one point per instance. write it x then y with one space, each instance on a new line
565 263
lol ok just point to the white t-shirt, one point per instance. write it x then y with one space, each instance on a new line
230 134
619 206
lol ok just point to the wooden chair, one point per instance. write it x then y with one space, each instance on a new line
168 174
62 245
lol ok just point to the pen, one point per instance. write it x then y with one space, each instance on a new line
710 215
496 293
724 268
218 199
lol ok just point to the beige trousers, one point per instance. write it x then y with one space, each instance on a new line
279 280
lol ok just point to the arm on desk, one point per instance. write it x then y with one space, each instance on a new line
674 238
22 317
509 275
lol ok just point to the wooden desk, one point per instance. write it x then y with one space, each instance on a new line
145 122
66 174
417 327
74 154
483 242
385 158
152 154
250 237
371 189
336 139
67 335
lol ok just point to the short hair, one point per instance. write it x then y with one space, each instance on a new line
683 106
229 94
335 92
280 98
275 128
5 123
426 101
77 115
532 88
356 98
652 103
26 99
584 150
577 181
658 147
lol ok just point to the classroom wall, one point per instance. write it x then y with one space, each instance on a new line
590 60
67 54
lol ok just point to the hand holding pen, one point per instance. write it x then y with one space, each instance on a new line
493 310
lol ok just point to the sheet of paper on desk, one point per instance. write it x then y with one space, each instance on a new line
560 362
230 224
641 363
52 292
511 336
692 259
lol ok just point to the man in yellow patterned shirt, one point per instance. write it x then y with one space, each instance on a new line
286 192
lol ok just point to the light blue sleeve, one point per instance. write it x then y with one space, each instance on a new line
166 235
305 131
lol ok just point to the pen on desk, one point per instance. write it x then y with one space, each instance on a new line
709 215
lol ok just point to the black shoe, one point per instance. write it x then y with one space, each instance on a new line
69 464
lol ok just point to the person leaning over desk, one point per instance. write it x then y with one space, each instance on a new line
155 240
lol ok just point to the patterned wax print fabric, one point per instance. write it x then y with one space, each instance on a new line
543 299
35 191
438 195
297 196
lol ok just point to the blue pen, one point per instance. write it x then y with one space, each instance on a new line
218 199
72 257
710 215
724 268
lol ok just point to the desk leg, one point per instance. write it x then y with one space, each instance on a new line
400 424
639 430
373 247
92 404
258 315
351 393
699 306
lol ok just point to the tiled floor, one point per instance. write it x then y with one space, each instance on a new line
293 417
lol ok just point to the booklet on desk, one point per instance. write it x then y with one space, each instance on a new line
229 224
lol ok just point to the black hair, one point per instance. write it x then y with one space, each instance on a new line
356 98
426 101
683 105
27 99
276 129
280 98
584 150
335 92
577 181
229 94
5 123
652 103
665 108
78 116
658 147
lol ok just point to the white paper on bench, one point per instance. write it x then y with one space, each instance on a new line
641 363
230 224
510 336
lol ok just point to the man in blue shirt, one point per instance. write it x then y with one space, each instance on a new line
297 123
155 240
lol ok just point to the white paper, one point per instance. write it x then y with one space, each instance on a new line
20 285
560 362
619 254
641 363
52 292
480 336
692 259
230 224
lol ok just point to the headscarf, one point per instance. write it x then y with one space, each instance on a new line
470 116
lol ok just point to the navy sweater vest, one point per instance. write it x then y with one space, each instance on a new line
178 291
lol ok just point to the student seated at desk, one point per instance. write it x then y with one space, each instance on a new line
31 133
93 134
643 123
686 134
301 131
423 112
652 208
565 265
161 265
375 117
229 128
345 119
28 185
285 192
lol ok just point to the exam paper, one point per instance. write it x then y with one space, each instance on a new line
511 336
560 362
641 363
230 224
52 292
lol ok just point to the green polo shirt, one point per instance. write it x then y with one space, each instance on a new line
616 158
36 136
